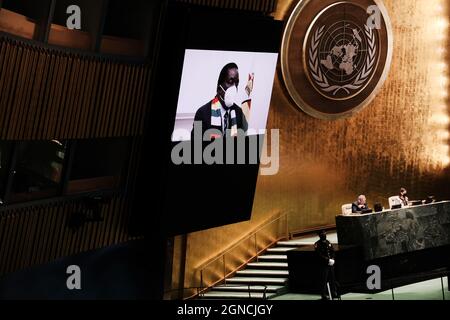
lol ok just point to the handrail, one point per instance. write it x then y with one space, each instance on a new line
222 255
246 237
293 234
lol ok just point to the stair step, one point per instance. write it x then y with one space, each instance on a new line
257 280
295 243
253 288
236 295
280 250
271 265
273 257
263 273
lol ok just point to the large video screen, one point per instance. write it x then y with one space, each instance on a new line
224 90
222 82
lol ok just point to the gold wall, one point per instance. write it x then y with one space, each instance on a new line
400 139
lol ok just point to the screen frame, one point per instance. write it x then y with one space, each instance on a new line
155 203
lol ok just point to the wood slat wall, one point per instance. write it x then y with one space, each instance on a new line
37 234
264 6
48 93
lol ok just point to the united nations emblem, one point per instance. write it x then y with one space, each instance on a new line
336 55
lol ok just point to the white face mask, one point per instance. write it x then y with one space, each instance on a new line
230 95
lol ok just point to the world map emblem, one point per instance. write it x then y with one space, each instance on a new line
341 58
334 58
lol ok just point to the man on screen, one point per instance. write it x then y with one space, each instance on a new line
222 113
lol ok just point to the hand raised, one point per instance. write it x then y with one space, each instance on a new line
249 86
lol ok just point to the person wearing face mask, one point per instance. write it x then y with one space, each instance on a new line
325 251
402 197
223 112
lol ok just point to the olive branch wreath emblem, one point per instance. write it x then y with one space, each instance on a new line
321 80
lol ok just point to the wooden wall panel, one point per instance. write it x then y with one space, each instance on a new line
38 233
49 93
19 25
265 6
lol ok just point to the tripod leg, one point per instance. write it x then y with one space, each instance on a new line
329 291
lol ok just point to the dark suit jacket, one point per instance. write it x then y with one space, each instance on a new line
203 114
356 209
325 250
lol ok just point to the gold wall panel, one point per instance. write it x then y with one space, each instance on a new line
400 139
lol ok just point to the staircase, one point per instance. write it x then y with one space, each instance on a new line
264 279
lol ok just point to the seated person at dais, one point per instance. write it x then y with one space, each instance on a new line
360 204
402 197
399 201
